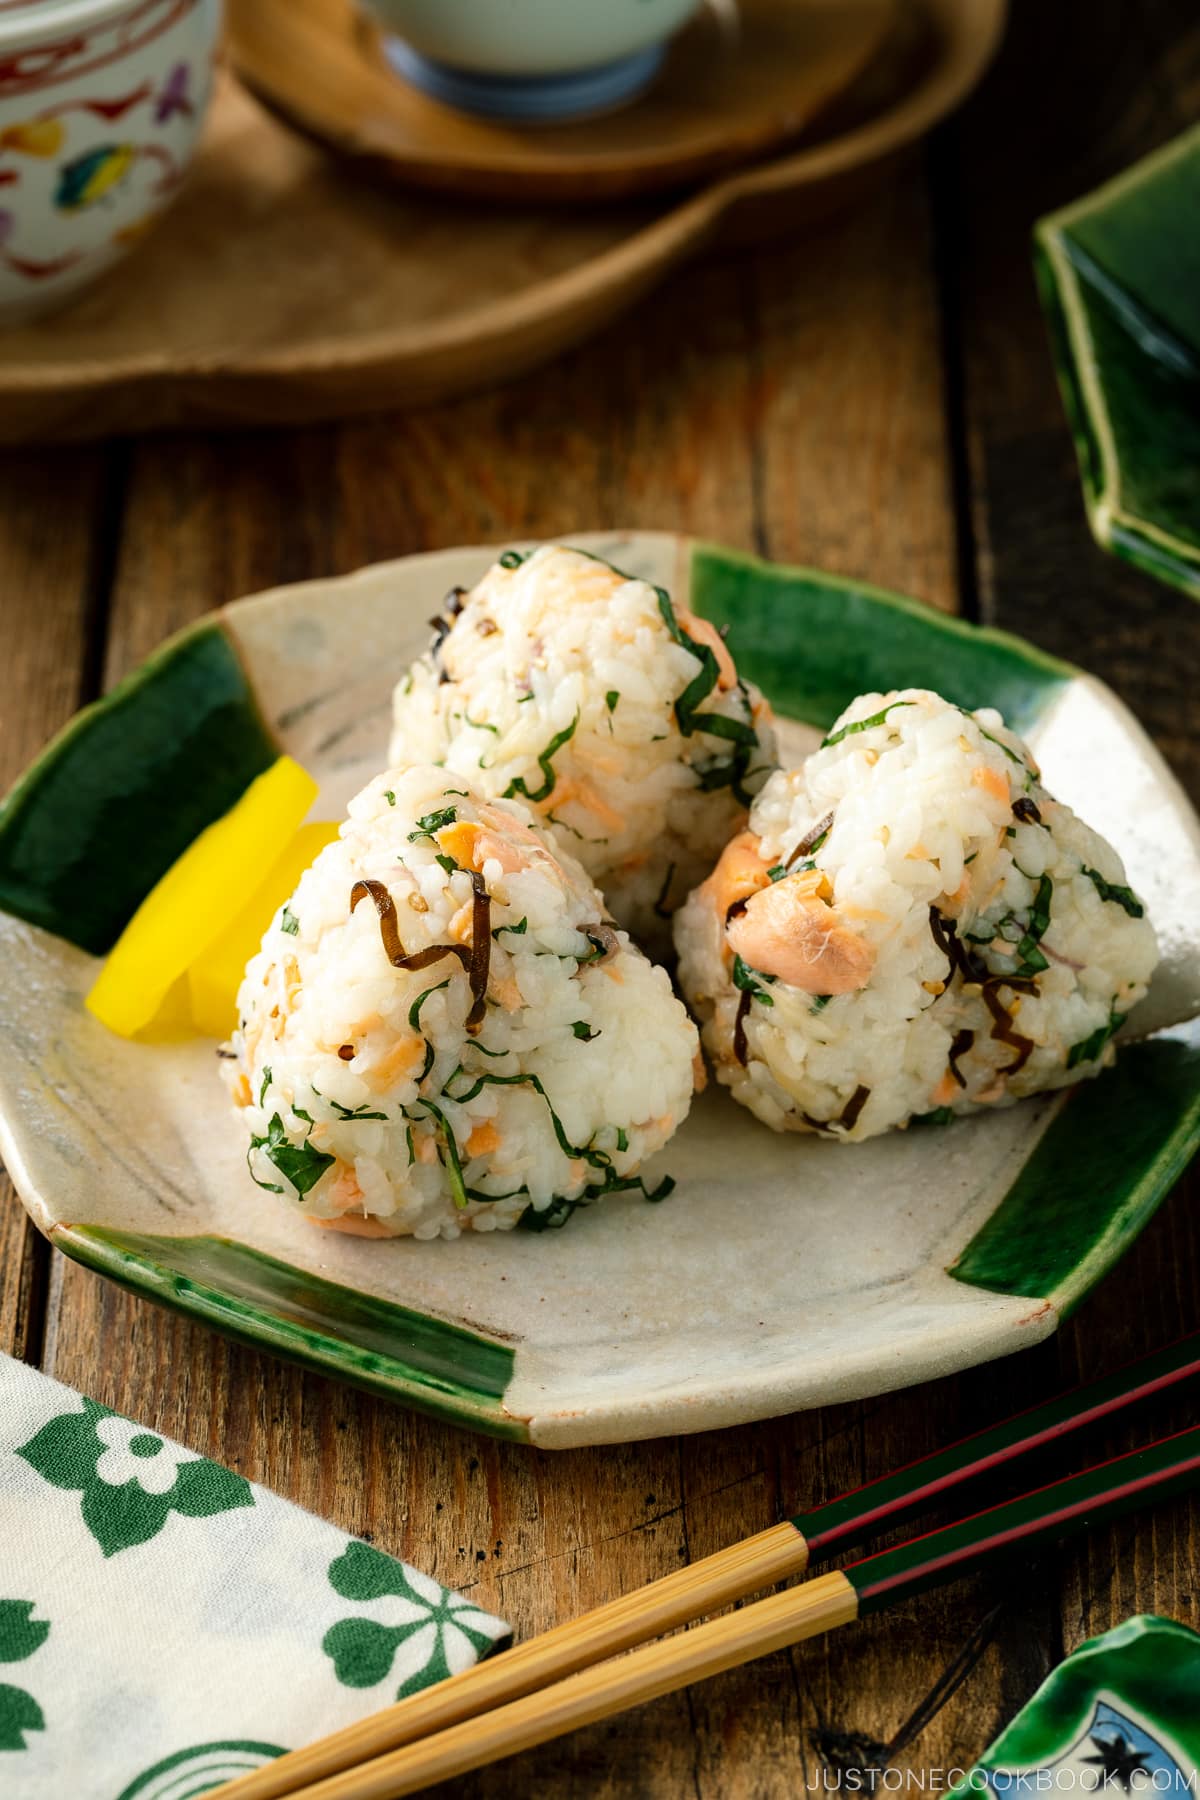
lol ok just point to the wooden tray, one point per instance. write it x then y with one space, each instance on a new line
284 289
736 84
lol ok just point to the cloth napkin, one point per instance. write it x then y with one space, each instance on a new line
166 1625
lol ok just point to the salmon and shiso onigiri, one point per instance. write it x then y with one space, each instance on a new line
911 927
444 1031
451 1026
618 716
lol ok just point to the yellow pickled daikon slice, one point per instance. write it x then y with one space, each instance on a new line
200 895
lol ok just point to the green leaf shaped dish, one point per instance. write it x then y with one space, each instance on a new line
783 1272
1119 276
1120 1716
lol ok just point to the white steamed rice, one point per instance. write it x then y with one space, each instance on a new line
911 927
564 682
369 1102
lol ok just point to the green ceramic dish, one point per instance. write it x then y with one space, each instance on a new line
890 1263
1119 274
1120 1716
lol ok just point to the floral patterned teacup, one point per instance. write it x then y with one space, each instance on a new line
101 103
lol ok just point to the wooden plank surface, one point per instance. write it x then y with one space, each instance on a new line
876 400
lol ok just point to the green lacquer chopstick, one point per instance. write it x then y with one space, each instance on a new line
866 1511
1162 1470
745 1568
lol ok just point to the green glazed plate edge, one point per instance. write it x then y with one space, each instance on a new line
1139 541
158 1269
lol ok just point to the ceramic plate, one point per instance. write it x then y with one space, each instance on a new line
783 1272
1119 273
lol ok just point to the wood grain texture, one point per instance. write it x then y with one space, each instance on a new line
831 401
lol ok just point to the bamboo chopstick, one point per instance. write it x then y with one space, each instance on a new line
704 1587
701 1587
1061 1509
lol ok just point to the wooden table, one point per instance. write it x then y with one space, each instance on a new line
877 400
